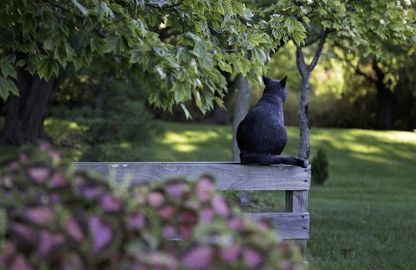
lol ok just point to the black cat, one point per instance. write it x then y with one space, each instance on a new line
261 136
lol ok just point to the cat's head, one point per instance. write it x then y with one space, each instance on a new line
275 88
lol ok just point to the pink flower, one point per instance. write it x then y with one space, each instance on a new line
73 229
199 257
44 146
264 225
39 215
110 204
58 180
175 190
136 221
39 174
220 206
230 254
166 212
100 232
252 258
91 191
48 242
155 199
205 189
236 223
13 165
23 157
169 232
206 215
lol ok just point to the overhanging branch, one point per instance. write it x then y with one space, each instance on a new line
318 52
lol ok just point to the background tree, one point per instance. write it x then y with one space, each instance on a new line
177 50
361 25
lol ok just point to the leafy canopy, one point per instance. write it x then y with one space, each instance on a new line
361 25
180 50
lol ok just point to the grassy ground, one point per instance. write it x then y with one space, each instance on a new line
363 218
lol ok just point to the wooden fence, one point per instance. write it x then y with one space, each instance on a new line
293 223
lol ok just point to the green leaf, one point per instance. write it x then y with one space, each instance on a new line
80 7
7 87
197 97
185 110
199 50
225 66
247 14
8 70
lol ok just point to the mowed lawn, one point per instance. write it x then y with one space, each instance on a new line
364 217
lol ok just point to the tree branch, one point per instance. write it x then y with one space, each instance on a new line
300 62
318 52
365 75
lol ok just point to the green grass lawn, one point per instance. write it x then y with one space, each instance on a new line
364 217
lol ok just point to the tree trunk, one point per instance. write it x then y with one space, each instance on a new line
305 87
25 114
384 99
303 118
242 105
384 108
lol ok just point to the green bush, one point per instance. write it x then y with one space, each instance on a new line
320 167
53 217
107 110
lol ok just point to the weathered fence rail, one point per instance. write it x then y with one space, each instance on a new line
294 181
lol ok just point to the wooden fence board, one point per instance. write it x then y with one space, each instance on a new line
229 175
288 225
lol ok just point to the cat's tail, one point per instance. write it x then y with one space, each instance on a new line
253 158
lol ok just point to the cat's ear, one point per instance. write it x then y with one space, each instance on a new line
283 81
266 80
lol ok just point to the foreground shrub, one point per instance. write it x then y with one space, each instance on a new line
53 217
320 167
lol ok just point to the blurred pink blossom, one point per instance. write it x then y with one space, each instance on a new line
109 203
231 253
199 257
220 206
252 258
155 199
39 174
100 232
73 229
39 215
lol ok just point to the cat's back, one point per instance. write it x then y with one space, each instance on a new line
261 130
264 114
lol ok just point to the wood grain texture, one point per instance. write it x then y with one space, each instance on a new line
300 205
300 201
229 175
288 225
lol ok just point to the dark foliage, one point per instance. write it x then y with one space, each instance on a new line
320 167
